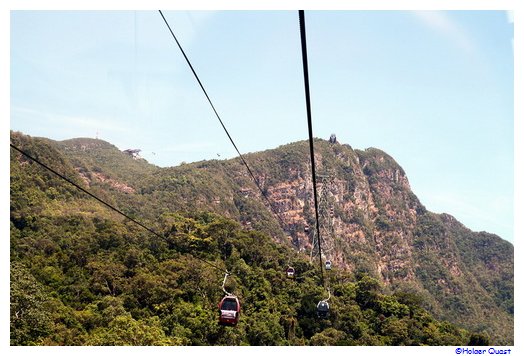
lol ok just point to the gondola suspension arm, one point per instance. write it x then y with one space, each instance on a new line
329 295
224 283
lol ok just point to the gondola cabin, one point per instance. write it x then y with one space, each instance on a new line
290 272
323 309
328 265
229 309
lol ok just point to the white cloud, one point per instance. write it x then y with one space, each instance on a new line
25 116
442 23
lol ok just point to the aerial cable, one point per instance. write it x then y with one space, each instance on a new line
85 191
106 204
221 122
302 25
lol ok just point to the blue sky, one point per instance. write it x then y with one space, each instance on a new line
433 89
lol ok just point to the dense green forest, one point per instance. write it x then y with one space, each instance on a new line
88 279
82 274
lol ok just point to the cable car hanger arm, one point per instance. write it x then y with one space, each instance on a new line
224 283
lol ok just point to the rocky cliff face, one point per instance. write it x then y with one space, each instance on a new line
367 202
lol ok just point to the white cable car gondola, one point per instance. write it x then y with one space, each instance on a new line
290 272
328 265
323 307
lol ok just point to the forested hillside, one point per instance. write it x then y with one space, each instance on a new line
81 274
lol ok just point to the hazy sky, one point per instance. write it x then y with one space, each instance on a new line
432 89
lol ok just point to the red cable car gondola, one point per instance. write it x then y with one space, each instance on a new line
229 309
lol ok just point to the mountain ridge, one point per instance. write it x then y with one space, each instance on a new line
379 225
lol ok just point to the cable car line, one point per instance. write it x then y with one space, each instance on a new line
302 25
106 203
85 191
221 122
323 305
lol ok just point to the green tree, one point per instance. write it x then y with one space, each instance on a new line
328 337
477 339
123 330
30 319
